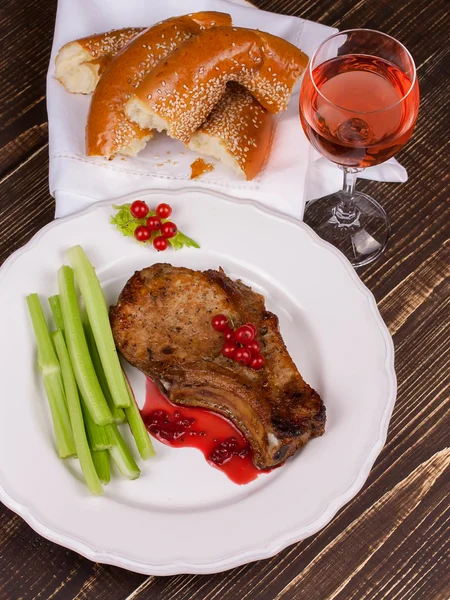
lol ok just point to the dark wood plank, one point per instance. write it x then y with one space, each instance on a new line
25 203
391 541
26 37
22 137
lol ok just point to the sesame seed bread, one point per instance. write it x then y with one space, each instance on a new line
108 130
237 132
182 90
79 64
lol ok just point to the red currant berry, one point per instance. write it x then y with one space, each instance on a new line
142 233
245 335
154 223
163 211
160 243
220 323
253 327
229 336
229 350
257 362
242 356
169 229
139 209
254 347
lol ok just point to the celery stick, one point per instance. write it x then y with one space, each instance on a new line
76 416
78 350
117 413
97 434
51 376
121 454
138 429
55 306
97 311
101 462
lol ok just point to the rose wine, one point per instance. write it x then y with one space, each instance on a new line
356 109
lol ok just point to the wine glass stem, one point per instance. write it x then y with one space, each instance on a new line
346 211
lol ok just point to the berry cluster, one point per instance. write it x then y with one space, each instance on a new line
240 344
154 223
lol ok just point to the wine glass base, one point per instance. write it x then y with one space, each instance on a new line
361 238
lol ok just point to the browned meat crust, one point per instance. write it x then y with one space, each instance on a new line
162 326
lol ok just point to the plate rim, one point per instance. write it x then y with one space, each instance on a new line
282 541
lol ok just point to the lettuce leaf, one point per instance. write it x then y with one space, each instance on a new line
124 220
180 240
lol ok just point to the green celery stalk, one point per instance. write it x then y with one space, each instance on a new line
83 368
55 306
121 455
101 462
76 416
51 376
138 429
97 311
97 434
118 414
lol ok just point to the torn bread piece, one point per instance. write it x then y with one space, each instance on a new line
108 130
238 132
79 64
182 90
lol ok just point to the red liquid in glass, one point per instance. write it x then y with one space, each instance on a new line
223 446
358 119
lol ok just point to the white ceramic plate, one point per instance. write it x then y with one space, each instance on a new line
182 516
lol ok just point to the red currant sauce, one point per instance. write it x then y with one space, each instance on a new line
223 446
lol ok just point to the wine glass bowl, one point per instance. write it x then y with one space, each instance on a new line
358 106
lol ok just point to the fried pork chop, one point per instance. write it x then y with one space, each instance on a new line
162 326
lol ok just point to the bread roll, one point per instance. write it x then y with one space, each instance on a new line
79 64
108 131
237 132
181 91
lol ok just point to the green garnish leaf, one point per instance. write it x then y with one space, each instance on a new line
126 224
124 220
180 240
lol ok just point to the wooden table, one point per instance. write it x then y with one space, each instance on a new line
392 541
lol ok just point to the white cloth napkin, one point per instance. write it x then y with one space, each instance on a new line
292 174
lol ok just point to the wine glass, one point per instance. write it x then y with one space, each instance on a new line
358 106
